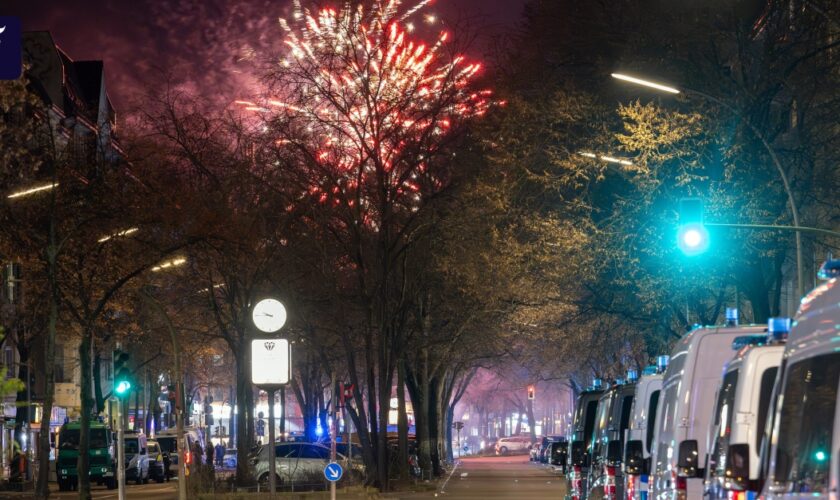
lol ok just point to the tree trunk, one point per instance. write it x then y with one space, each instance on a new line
87 406
244 436
22 399
529 409
97 382
43 488
402 421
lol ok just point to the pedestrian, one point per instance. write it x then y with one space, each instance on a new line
220 454
166 463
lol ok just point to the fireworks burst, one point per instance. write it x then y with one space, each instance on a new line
369 105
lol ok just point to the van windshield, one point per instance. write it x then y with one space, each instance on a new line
69 439
132 446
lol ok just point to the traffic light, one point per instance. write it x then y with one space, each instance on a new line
122 375
208 413
692 235
532 392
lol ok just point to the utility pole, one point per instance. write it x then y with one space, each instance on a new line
333 431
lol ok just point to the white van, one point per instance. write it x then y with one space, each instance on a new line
740 415
614 411
685 408
579 454
639 440
804 458
168 441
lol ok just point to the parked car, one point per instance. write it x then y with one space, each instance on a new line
556 454
685 409
580 442
513 444
534 452
640 434
136 457
299 462
614 410
740 415
803 459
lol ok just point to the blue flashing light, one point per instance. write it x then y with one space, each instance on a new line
778 328
662 362
732 316
619 381
693 239
649 370
632 375
829 269
597 383
319 431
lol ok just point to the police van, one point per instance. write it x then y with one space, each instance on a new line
580 452
640 434
685 407
740 414
804 461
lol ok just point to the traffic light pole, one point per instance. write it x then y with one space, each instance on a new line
773 227
120 452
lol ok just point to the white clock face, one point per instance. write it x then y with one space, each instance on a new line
269 315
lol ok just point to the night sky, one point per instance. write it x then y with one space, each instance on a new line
199 43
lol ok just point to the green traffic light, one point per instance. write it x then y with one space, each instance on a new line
693 239
821 456
123 386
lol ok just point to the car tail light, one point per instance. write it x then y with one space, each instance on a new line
609 483
576 482
681 485
188 457
630 487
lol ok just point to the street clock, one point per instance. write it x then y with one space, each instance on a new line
269 315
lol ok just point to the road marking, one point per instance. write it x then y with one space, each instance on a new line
464 474
443 486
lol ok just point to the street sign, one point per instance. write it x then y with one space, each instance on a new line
333 472
271 362
458 425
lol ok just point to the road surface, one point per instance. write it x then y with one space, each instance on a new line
511 477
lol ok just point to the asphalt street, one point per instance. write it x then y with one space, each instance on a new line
511 477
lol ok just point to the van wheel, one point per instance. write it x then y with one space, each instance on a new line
503 450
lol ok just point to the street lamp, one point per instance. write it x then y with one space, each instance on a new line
774 158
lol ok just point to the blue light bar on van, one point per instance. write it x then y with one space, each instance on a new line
597 383
662 362
829 269
632 375
731 316
649 370
619 381
778 329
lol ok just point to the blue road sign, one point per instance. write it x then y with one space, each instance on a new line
333 472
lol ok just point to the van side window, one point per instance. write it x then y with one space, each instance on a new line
768 379
651 423
626 404
724 415
806 424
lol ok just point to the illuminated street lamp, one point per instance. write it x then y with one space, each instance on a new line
774 158
38 189
606 158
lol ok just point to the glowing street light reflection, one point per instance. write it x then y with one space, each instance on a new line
170 264
644 83
125 232
34 190
606 158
